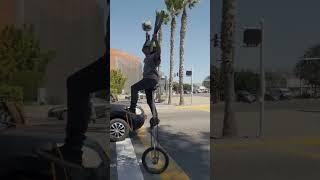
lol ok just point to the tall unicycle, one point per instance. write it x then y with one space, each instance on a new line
154 159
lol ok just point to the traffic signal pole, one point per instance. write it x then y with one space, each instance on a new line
191 85
262 82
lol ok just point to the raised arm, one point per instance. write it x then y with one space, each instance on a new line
155 39
145 43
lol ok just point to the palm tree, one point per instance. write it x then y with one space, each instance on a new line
227 57
185 4
174 8
165 22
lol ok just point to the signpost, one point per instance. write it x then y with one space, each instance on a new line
189 73
253 37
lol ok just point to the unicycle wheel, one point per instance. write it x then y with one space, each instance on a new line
155 160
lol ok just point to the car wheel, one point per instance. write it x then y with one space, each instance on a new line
119 129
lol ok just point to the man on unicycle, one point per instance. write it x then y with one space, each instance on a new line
150 79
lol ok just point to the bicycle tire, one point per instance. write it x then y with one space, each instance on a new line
153 170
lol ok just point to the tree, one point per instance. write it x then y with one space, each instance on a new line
185 4
217 83
20 51
175 86
227 57
22 61
246 80
117 81
165 22
174 8
308 70
274 80
206 82
187 87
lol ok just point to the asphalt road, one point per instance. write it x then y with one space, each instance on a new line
288 150
184 134
42 131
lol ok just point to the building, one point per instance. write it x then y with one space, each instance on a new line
130 65
74 29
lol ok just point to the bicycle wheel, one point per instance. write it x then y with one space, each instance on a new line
155 160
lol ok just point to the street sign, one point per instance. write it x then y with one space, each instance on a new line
188 73
252 37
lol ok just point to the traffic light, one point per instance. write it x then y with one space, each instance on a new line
216 40
188 73
252 37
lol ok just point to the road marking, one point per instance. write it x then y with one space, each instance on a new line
205 107
127 163
173 171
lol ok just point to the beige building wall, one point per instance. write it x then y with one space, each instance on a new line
73 28
130 65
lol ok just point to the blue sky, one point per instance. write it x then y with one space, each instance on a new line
290 28
126 34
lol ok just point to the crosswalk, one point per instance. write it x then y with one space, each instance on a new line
126 160
127 163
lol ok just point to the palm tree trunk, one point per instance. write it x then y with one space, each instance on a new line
160 42
182 39
227 47
173 28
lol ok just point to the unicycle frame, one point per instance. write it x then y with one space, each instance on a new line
155 150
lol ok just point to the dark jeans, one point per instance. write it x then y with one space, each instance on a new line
148 85
79 86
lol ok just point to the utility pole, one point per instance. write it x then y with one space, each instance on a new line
262 82
191 84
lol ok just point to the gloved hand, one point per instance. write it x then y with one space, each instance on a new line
147 36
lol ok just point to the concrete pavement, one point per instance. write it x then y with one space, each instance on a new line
288 150
184 135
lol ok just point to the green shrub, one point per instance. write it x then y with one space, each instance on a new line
11 92
117 81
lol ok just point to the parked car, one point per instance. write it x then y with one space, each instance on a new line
272 96
276 94
285 93
120 122
245 96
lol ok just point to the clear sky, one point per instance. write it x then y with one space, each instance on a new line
290 28
126 34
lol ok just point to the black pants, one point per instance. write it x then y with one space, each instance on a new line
79 86
148 85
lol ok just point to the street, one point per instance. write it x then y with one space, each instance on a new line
42 130
288 150
184 134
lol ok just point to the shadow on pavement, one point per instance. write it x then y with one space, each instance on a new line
192 156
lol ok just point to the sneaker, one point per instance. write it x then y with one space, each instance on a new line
64 153
154 121
132 110
72 155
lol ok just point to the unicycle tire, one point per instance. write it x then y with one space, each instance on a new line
154 170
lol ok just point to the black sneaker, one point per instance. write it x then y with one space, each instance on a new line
71 154
63 154
154 121
132 110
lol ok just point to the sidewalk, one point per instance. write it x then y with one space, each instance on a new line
288 150
196 101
